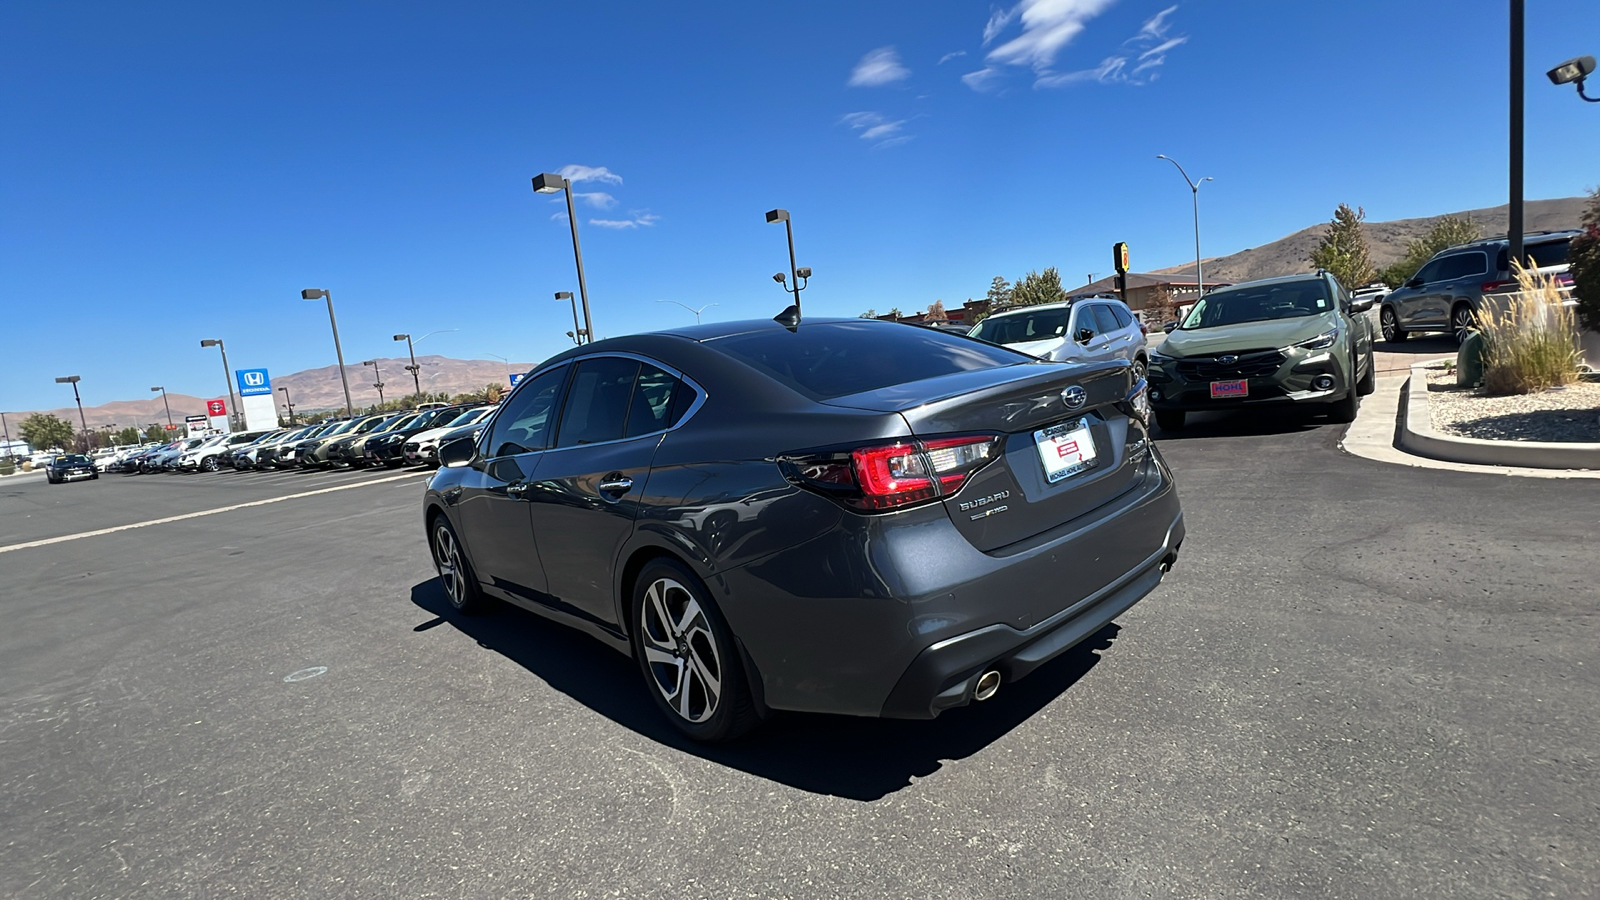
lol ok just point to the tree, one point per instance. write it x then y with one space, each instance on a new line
895 313
870 314
155 433
999 292
1161 308
936 312
129 435
1343 250
43 431
1039 287
1449 231
1584 258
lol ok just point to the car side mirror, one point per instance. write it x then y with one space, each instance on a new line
1169 326
1084 335
1361 304
457 453
1414 282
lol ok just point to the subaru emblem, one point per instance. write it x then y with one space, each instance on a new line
1075 397
1228 360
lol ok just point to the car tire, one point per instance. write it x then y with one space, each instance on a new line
455 572
1368 382
1344 409
1389 324
210 464
1462 321
1139 368
687 655
1170 419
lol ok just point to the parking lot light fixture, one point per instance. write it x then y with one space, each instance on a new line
577 333
73 380
411 350
164 403
289 404
227 375
1194 189
377 375
319 294
799 276
547 183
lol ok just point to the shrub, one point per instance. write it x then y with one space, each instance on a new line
7 465
1530 339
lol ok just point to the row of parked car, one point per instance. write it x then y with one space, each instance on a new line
390 439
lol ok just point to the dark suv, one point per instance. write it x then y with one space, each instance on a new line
1448 291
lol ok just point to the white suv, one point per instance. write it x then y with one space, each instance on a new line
1089 329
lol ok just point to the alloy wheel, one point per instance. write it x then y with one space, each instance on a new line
680 651
1461 322
447 557
1389 326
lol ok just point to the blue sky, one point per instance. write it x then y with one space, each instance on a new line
177 171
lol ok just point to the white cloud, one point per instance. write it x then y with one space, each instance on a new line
952 55
559 217
636 218
576 174
596 199
1048 26
879 67
874 127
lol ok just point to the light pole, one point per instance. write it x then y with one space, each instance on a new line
378 375
233 403
1194 188
411 350
507 363
800 275
165 403
547 183
696 312
1514 227
73 380
578 333
7 429
289 404
318 294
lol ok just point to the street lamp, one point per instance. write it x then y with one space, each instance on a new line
73 380
507 362
800 275
233 403
578 333
547 183
1194 188
1574 71
288 403
378 375
166 404
411 350
318 294
696 312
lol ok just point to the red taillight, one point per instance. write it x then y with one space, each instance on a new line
1491 286
892 476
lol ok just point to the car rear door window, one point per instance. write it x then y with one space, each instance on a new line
1463 265
651 407
523 425
1106 318
598 402
1124 318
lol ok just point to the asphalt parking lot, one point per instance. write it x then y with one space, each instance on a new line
1361 680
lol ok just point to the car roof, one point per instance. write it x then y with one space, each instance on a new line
1281 279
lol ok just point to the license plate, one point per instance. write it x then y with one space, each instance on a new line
1065 449
1240 388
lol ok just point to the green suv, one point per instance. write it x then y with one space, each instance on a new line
1299 340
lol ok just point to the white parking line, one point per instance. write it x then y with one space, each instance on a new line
195 515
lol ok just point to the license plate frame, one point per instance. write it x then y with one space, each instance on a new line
1066 449
1223 390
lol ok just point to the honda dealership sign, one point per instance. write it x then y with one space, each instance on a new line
255 399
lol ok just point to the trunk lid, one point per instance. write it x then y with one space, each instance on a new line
1014 498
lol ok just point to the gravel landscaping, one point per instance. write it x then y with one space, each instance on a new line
1562 415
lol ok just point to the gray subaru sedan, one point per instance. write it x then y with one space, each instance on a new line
840 516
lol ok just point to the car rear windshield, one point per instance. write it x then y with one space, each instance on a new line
832 359
1544 254
72 460
1021 327
1260 303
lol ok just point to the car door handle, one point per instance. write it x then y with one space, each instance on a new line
616 484
518 490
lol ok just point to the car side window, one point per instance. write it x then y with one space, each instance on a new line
651 407
1430 272
1123 317
524 424
1106 318
598 402
1083 321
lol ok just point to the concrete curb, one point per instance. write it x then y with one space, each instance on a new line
1418 436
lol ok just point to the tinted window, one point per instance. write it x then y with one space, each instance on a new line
1463 265
1550 253
1260 303
651 407
1430 272
598 402
832 359
524 424
1021 327
1124 318
1106 318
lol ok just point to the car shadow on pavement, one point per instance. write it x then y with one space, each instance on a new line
843 756
1244 422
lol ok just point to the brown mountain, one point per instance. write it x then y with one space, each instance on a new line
1386 240
312 389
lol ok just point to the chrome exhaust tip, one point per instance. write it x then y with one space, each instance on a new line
988 683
